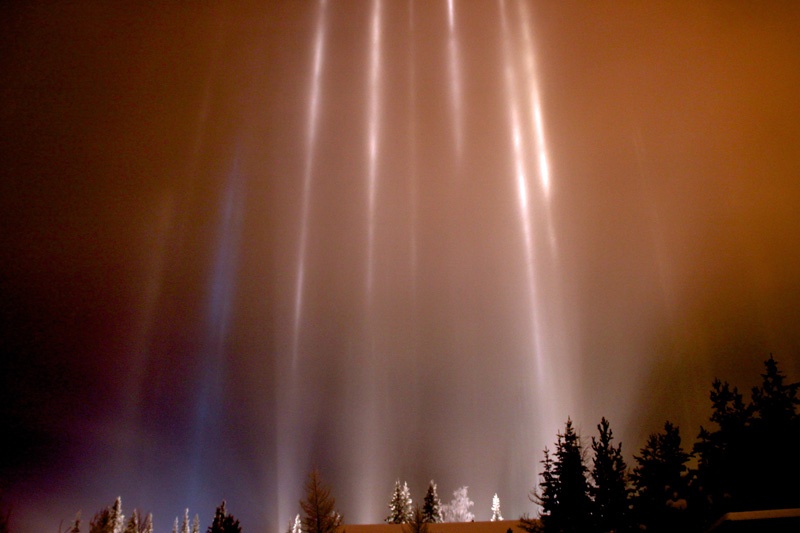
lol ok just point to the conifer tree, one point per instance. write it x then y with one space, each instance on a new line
185 523
133 523
609 489
496 509
147 526
744 463
108 520
546 497
319 507
224 522
572 511
659 478
564 490
295 526
175 526
432 506
196 524
400 504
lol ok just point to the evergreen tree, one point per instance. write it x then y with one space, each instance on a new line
546 497
747 460
133 523
224 522
496 509
564 490
175 526
319 507
458 508
147 526
572 511
432 507
295 526
722 454
185 523
400 504
108 520
660 482
196 524
609 489
775 441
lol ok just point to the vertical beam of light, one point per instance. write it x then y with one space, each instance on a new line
412 144
369 419
222 286
520 174
312 126
536 119
454 79
289 450
373 124
545 393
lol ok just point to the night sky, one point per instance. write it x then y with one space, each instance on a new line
391 239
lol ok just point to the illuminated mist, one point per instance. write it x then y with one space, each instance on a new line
390 239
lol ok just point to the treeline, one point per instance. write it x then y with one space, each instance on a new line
748 460
111 520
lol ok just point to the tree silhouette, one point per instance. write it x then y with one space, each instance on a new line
563 493
545 497
659 478
609 489
746 462
224 522
319 507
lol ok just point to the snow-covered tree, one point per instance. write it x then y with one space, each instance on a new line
295 526
496 516
458 508
400 506
109 520
185 523
196 524
133 523
147 525
175 526
432 506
